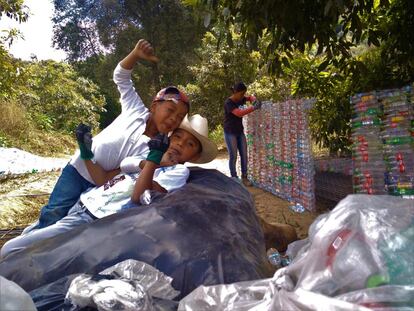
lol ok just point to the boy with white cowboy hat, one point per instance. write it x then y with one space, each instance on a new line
163 170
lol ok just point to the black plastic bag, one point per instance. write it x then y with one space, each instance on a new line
204 233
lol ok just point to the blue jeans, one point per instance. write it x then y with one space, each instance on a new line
76 217
65 194
234 143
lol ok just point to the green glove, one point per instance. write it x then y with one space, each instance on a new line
158 146
84 138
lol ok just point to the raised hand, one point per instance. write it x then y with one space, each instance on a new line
251 98
144 50
84 138
158 146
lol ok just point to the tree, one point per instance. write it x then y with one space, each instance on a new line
98 34
221 65
89 28
53 107
99 69
331 112
333 26
393 61
14 9
316 47
9 69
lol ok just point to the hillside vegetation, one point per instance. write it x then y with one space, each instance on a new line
41 104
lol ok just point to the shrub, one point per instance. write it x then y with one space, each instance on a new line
14 119
217 135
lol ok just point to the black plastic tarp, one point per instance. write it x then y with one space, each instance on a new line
205 233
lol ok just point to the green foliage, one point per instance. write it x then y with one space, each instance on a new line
313 51
311 45
9 70
220 66
100 70
43 121
14 9
219 69
217 135
333 26
58 98
41 100
377 71
83 29
397 27
331 112
4 141
9 74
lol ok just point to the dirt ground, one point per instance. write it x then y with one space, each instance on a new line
274 210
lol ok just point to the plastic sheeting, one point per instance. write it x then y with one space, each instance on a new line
205 233
357 257
128 286
13 297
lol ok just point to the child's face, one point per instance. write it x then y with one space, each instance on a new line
184 147
168 115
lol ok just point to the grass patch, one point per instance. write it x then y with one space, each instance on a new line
18 130
21 212
14 119
22 198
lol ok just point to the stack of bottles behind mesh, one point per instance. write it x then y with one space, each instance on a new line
383 142
280 155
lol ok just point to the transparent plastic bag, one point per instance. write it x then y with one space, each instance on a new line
128 285
357 257
13 297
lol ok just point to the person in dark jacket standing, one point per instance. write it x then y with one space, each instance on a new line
234 110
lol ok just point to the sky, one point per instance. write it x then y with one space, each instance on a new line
37 32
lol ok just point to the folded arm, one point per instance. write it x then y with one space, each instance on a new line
145 181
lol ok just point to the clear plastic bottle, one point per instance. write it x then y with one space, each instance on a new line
285 261
274 257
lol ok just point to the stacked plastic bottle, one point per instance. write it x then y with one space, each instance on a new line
279 151
397 135
369 166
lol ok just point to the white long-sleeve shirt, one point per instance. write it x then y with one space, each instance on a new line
123 137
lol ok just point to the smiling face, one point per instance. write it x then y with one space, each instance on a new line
168 115
184 147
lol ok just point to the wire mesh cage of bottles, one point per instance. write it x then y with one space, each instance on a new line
383 142
279 151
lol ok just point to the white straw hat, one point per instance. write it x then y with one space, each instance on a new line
198 126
